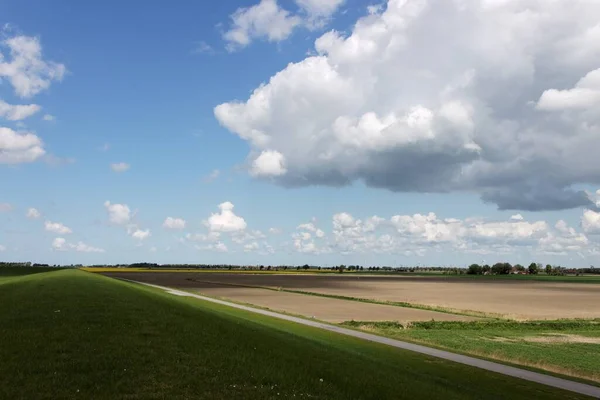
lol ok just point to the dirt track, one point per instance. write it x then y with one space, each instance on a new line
519 299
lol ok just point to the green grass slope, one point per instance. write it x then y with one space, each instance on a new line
11 272
71 334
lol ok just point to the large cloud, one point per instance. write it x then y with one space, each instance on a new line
465 95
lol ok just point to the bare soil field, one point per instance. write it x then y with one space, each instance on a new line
324 309
517 299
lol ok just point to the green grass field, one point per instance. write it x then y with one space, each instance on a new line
8 272
71 334
568 347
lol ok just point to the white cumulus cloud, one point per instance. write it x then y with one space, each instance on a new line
218 247
264 20
590 222
174 223
19 147
61 244
23 66
17 112
226 220
57 227
268 163
450 110
118 214
140 234
585 94
33 213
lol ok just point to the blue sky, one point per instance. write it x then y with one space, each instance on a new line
273 132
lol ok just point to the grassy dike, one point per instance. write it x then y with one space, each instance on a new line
71 334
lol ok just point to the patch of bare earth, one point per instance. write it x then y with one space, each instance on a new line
550 338
325 309
560 338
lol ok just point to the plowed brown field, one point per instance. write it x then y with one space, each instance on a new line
518 299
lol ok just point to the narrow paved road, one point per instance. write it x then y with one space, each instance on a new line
571 386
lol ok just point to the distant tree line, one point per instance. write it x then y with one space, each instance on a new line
505 268
24 264
500 268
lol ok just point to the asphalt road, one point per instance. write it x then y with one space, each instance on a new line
548 380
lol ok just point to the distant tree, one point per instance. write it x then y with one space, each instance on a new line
558 270
486 269
548 269
341 268
519 268
533 268
475 269
501 269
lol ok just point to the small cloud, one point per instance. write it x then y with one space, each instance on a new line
5 207
33 213
516 217
118 214
375 8
2 248
49 117
57 227
274 231
17 112
140 234
55 161
105 147
152 249
212 176
203 48
61 244
119 167
174 223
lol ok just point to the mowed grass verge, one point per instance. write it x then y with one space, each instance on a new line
70 334
566 347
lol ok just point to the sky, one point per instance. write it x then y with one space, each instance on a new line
401 132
